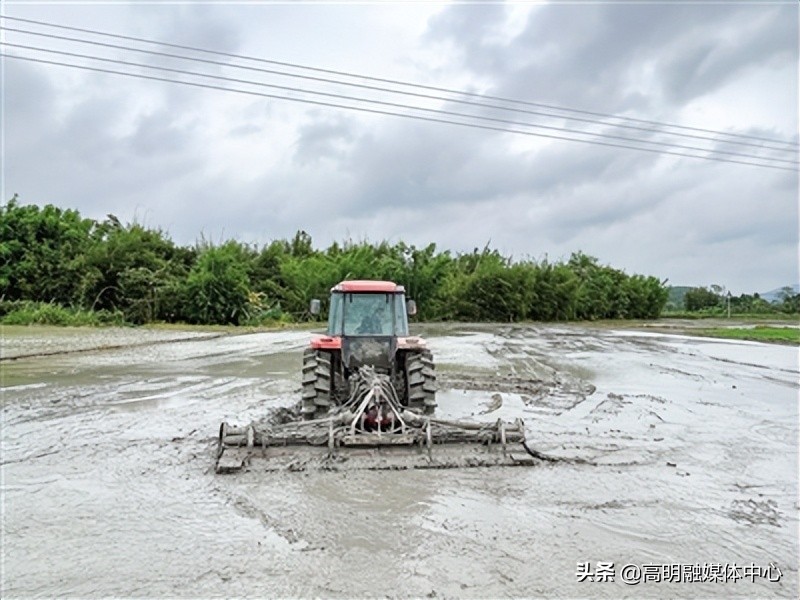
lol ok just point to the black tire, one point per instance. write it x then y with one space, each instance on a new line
421 381
317 397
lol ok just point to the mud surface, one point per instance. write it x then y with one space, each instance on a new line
25 342
658 449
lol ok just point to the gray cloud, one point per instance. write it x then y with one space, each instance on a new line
195 162
85 148
327 138
583 56
198 25
700 65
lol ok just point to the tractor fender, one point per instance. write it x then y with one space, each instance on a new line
411 343
326 342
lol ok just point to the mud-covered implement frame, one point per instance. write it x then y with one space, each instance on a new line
377 432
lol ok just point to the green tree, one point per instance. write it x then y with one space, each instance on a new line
700 298
791 303
555 292
42 253
135 270
217 288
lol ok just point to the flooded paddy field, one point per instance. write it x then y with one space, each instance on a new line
661 450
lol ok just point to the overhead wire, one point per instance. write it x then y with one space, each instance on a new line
397 114
473 103
396 105
401 83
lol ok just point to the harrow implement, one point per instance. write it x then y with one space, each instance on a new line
371 430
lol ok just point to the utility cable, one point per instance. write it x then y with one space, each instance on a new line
395 105
384 112
404 83
379 89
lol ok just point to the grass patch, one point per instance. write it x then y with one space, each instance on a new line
760 333
771 316
45 313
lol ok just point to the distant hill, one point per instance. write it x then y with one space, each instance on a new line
776 295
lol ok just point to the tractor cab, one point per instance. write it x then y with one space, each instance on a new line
367 313
368 317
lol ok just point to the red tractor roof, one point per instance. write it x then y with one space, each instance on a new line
369 286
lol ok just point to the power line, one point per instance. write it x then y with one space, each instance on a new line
375 88
384 112
395 105
409 84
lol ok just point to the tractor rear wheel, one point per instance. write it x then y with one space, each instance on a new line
421 381
316 399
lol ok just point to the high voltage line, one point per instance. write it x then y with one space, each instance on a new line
760 145
402 83
396 105
383 112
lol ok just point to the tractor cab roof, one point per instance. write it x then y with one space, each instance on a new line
369 286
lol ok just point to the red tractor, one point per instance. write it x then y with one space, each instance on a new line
367 327
369 391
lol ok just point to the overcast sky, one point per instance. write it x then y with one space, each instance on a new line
224 165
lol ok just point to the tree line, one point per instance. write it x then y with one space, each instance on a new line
136 274
715 301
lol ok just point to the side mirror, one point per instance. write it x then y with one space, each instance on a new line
315 307
411 308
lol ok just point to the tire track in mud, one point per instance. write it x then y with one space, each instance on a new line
545 390
250 508
538 384
619 430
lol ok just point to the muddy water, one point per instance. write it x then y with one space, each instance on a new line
664 449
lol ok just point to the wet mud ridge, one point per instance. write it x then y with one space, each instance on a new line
101 341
